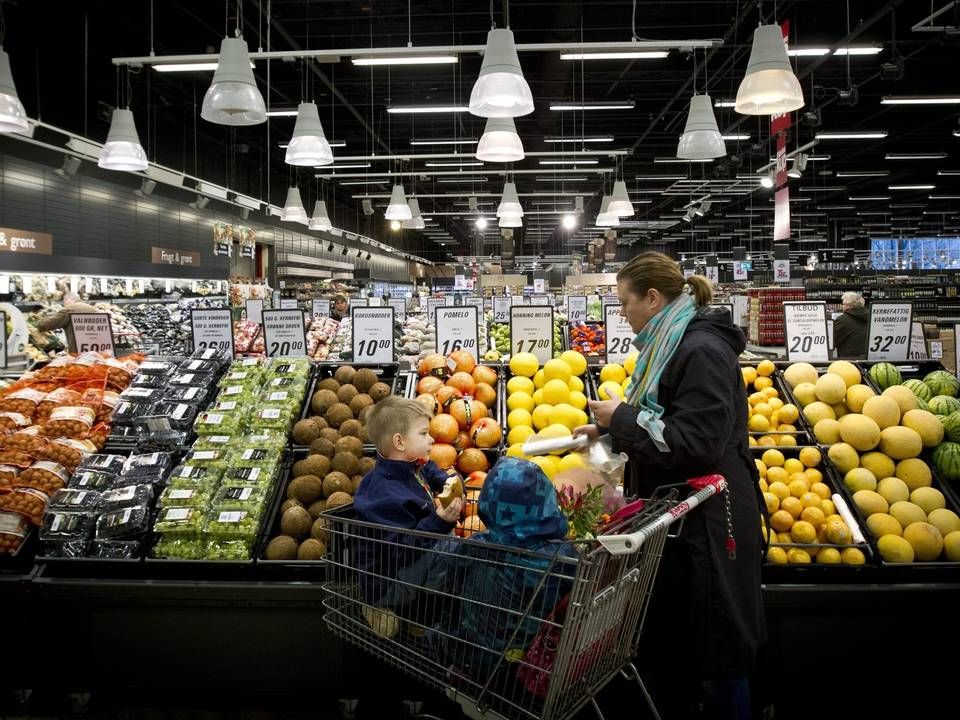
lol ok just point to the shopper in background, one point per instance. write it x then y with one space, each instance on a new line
850 329
61 319
339 307
685 417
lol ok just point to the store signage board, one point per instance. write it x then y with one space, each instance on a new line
373 334
25 241
501 308
92 332
459 282
320 306
781 271
458 329
577 308
806 331
3 339
539 285
781 214
531 330
375 302
713 274
888 337
171 256
519 300
432 305
835 256
399 306
740 270
255 310
212 329
288 304
502 280
918 346
284 334
5 285
539 300
619 335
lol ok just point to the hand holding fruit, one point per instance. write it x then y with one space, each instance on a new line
603 410
451 512
590 431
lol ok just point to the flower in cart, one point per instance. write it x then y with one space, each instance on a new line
584 510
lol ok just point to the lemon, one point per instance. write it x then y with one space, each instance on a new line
520 400
554 431
519 434
556 392
541 416
612 372
557 370
630 364
575 384
578 399
810 457
781 521
767 441
519 417
761 468
779 489
756 398
763 409
566 415
749 375
538 397
763 383
777 556
836 531
777 474
571 461
766 368
792 465
796 556
520 384
516 451
822 491
575 361
792 505
852 556
775 402
608 389
544 463
773 458
828 556
757 423
539 380
524 364
772 502
786 441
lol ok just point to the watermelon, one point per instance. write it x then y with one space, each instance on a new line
941 382
918 388
944 405
951 426
885 375
922 404
946 458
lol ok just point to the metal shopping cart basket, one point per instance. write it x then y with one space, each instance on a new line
505 632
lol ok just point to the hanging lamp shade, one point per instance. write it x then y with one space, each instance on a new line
233 97
769 86
510 220
122 150
416 220
13 118
500 142
605 218
509 201
701 139
320 219
398 208
309 145
500 91
293 210
620 204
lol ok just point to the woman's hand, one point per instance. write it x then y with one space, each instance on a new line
590 431
603 410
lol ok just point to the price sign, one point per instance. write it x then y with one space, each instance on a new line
501 309
713 274
399 306
5 285
320 306
3 339
212 329
781 271
432 305
619 335
531 330
92 332
372 334
283 333
539 300
918 346
806 331
359 301
288 304
936 350
610 300
577 308
477 302
255 311
956 355
889 334
458 329
539 285
739 270
519 300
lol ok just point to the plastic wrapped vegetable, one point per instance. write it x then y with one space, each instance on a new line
180 521
126 523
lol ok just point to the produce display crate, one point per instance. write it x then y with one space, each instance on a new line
600 357
804 434
909 370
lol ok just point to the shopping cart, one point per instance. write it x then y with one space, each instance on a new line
507 633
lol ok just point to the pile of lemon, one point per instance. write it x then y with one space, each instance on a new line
769 419
615 378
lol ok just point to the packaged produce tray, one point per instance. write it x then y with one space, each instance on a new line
803 435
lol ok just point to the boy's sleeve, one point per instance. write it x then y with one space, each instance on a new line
402 512
434 476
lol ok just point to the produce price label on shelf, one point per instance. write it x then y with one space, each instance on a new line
3 340
806 331
539 285
255 311
399 306
918 346
477 302
501 309
519 300
212 329
92 332
373 334
320 306
458 329
889 334
619 335
432 305
283 333
936 350
577 308
539 300
531 330
288 304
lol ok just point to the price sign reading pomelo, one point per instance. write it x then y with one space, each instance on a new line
577 308
531 330
212 328
619 335
918 346
373 334
458 329
432 305
399 306
806 331
255 311
283 333
91 332
501 308
888 337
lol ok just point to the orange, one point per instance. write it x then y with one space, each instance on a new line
822 491
813 515
762 383
772 502
766 368
810 499
777 474
803 532
777 556
793 506
813 475
792 465
773 458
779 489
781 521
767 440
798 485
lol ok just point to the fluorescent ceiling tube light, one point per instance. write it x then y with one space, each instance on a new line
858 50
320 220
852 135
616 55
668 160
444 141
424 109
561 178
308 146
465 163
362 182
500 90
407 60
569 162
595 105
360 166
701 139
916 156
724 103
293 210
862 173
766 181
920 100
735 137
233 97
187 67
13 118
948 172
943 197
807 52
620 204
500 142
589 139
123 150
769 85
282 113
661 177
855 198
911 187
398 208
247 202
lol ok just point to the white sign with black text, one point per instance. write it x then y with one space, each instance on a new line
373 334
458 329
806 331
477 302
539 300
283 333
889 334
320 307
501 308
531 331
519 300
781 271
577 308
432 304
619 335
918 346
255 311
92 332
212 328
399 306
288 304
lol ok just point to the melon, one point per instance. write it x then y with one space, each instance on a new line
914 472
944 405
860 431
918 388
951 426
927 426
903 397
926 540
883 410
941 382
847 370
900 442
817 411
830 389
800 373
827 431
879 464
946 459
857 395
885 375
870 502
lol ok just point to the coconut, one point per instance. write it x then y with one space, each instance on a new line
364 379
346 393
305 432
338 499
319 422
311 549
316 508
296 522
349 445
338 414
330 434
306 489
336 482
345 462
379 391
344 374
350 427
289 503
328 384
282 547
318 465
360 402
322 446
366 465
322 400
356 480
320 530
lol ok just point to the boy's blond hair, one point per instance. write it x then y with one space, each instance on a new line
390 416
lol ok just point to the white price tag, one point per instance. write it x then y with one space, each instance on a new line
458 329
889 334
320 307
781 271
92 332
806 331
432 305
283 333
936 350
918 346
539 285
531 330
399 306
519 300
713 274
288 304
610 300
5 285
619 335
577 308
255 311
373 334
212 329
539 300
501 308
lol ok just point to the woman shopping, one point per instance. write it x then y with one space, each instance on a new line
685 416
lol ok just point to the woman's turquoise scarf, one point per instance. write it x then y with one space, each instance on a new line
657 343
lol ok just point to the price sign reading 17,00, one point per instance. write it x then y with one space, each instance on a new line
372 334
806 331
531 331
619 335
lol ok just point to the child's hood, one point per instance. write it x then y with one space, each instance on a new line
518 504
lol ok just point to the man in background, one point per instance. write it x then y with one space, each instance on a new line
61 319
850 329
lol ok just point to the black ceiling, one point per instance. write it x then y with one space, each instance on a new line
61 58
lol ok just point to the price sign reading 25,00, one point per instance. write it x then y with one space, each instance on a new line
619 334
531 330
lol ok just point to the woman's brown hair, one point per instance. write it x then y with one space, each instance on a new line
661 272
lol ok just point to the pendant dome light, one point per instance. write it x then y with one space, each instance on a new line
509 202
123 150
501 90
233 97
605 218
416 220
769 86
293 210
620 204
510 221
398 208
320 219
701 139
13 118
308 146
500 142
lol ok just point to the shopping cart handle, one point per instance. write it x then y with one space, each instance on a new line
631 543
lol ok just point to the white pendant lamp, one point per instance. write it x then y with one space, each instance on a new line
500 142
293 210
510 221
416 220
770 86
309 145
122 150
13 118
501 91
509 201
701 139
398 208
320 220
620 204
233 97
605 218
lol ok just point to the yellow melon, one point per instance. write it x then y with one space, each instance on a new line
870 502
860 431
928 499
880 524
805 393
907 513
946 521
883 410
800 373
926 540
927 426
857 395
903 396
914 472
847 370
900 442
817 411
879 464
894 549
827 431
830 388
859 479
844 457
951 546
893 489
